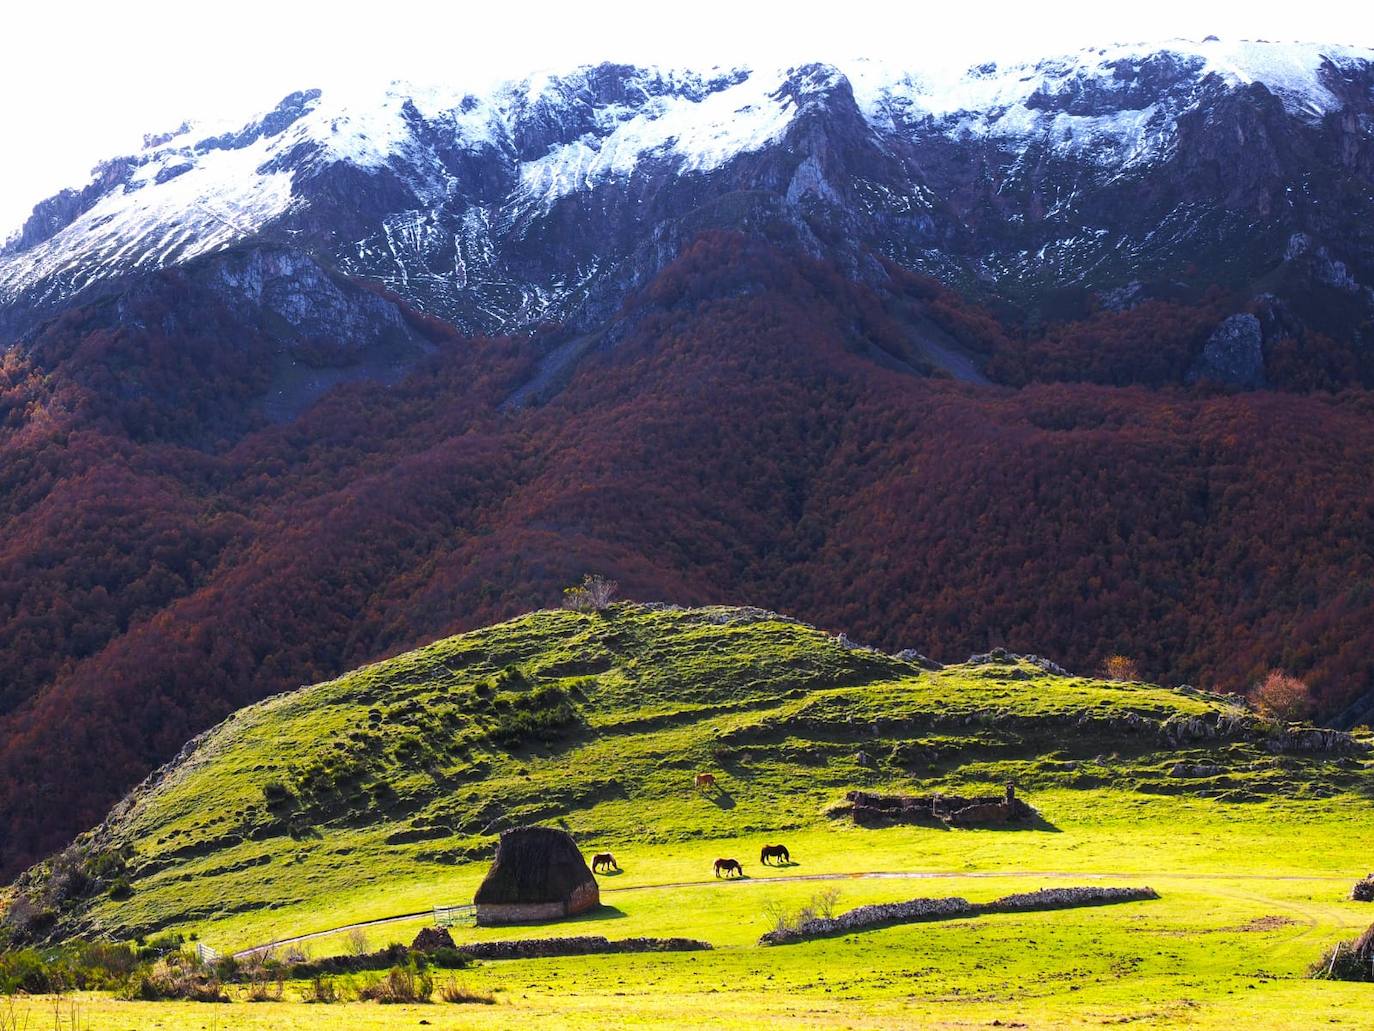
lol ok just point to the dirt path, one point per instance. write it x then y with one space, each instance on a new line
870 875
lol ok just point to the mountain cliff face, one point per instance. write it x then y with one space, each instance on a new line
1073 357
1121 172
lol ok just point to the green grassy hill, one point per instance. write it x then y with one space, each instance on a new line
381 792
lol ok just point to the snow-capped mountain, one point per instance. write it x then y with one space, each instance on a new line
546 199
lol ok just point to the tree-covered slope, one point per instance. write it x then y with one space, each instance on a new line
394 779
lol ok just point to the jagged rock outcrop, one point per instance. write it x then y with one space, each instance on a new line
1234 354
547 200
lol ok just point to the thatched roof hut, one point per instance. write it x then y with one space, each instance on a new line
539 874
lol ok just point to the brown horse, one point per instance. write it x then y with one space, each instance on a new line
604 860
705 780
725 866
778 852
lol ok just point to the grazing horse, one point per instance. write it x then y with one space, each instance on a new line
705 780
725 866
604 860
778 852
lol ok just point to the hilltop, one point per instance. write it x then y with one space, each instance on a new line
381 792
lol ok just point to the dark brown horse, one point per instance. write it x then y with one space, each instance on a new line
778 852
725 866
604 861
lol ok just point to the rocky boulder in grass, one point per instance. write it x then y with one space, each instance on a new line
432 939
1364 889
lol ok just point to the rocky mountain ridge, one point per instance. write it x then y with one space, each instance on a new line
1123 172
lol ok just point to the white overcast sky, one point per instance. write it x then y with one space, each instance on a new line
80 82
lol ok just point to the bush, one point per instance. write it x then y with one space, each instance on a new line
82 967
265 989
175 978
401 984
449 959
1282 697
822 905
323 990
1341 962
1120 667
355 942
25 970
544 714
452 991
593 594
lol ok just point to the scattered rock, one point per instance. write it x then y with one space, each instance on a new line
914 657
1194 770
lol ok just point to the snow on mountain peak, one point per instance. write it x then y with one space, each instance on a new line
204 187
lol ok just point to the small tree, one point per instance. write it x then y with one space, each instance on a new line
593 594
1119 667
1283 697
355 942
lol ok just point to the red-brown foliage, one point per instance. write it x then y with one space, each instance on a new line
1282 696
731 445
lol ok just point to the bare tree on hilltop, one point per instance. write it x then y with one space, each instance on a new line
593 594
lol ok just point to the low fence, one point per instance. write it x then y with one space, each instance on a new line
453 916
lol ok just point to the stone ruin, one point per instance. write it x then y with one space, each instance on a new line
953 810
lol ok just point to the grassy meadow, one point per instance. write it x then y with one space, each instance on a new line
380 794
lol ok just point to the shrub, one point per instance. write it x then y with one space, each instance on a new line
323 990
175 977
401 984
265 989
1120 667
449 958
355 942
593 594
544 713
452 991
26 920
25 970
276 793
1342 962
1283 697
822 906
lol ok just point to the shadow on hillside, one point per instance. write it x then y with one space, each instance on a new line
723 799
1033 823
602 912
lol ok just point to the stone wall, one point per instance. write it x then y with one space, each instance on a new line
1066 898
871 916
492 913
581 945
865 917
